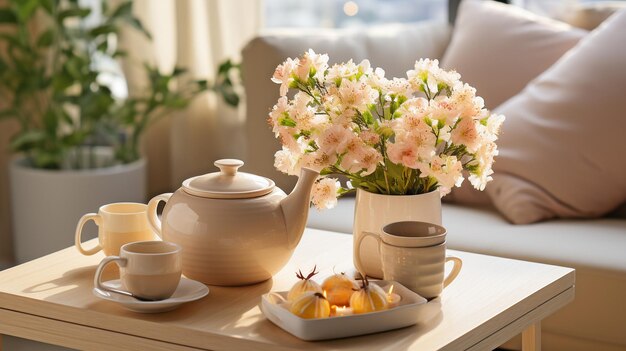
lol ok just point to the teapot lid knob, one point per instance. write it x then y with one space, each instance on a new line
228 166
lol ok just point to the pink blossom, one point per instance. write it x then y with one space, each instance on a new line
333 140
283 74
324 193
369 137
403 153
466 133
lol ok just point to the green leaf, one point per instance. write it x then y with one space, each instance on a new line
224 67
231 99
136 23
46 38
286 121
125 9
178 71
103 46
73 67
65 116
75 12
48 159
61 81
48 6
7 16
202 84
176 103
25 9
120 53
27 139
50 122
103 29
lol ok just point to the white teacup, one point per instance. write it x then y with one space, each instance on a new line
414 254
149 270
118 224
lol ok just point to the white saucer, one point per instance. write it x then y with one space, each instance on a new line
188 290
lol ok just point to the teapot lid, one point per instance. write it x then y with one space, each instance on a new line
228 183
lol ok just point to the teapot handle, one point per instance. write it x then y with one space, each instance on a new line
153 218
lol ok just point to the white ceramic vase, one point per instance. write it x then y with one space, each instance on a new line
373 211
47 204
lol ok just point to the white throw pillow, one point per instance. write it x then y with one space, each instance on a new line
563 145
499 48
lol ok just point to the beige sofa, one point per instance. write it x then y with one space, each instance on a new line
596 320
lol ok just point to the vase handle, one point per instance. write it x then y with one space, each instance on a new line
357 249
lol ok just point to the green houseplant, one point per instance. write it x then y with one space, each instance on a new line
79 139
52 83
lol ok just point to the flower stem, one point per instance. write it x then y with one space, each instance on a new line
387 182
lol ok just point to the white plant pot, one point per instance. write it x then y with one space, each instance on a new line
47 204
373 211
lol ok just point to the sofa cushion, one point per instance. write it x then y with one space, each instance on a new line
589 15
562 146
593 247
499 48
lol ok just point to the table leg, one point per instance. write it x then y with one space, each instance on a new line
531 338
0 342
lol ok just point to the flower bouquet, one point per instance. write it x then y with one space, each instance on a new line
399 136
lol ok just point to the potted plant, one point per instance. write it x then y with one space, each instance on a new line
78 139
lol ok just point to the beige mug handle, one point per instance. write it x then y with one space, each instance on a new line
79 229
97 281
458 263
357 249
153 217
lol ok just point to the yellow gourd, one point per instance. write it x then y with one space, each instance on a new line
369 298
339 288
311 305
305 284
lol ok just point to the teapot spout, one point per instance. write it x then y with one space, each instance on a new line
295 206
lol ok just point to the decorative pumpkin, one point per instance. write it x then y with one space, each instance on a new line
311 305
369 298
339 288
304 285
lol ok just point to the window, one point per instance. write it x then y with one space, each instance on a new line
356 13
362 13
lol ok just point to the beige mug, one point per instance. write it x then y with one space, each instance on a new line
118 224
414 254
149 270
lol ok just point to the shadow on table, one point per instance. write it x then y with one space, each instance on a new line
232 308
70 278
229 305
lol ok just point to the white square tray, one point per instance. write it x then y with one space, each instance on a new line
412 309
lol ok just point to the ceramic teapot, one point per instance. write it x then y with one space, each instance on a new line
235 228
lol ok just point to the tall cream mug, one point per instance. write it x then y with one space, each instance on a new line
118 224
414 254
149 270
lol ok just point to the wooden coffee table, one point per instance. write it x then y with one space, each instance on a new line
493 299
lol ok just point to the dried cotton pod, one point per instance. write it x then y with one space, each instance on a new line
304 285
369 298
311 305
339 288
